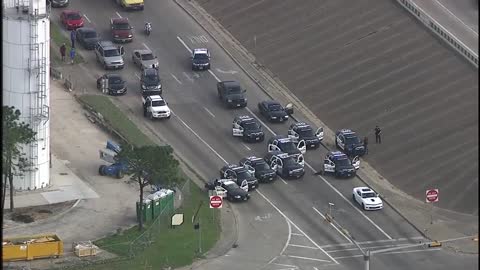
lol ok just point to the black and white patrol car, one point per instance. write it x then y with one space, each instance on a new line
274 111
348 141
200 59
239 174
303 131
340 165
286 145
248 128
286 166
227 188
261 169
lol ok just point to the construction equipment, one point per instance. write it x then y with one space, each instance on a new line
117 167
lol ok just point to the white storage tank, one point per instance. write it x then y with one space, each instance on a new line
26 85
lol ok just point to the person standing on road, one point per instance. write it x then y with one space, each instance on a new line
63 51
378 135
72 54
72 37
365 144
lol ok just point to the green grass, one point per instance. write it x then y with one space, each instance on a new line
172 247
58 38
116 119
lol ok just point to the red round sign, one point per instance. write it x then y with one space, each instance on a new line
215 201
431 195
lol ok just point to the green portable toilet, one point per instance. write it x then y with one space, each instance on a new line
145 215
156 208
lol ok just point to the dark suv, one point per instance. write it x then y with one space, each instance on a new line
232 94
150 80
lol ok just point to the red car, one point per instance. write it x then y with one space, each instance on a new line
71 19
121 30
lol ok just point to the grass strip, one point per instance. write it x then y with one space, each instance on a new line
116 119
58 39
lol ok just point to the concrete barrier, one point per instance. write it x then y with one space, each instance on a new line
441 31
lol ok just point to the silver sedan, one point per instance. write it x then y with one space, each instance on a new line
144 59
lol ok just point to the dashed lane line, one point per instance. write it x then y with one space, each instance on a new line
176 79
118 14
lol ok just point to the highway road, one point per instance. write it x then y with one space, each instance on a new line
282 225
365 63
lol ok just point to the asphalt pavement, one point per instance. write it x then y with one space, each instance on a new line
282 224
366 63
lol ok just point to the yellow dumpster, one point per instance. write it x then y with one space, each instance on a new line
32 247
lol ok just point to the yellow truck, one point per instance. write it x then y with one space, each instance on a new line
32 247
131 4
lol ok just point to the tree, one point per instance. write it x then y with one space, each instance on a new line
16 134
149 165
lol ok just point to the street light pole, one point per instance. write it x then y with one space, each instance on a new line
366 257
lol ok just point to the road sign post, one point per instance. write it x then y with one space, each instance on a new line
216 201
431 196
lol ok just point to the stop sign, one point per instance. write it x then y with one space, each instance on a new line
216 201
431 195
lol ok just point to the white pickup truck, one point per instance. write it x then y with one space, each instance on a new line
154 107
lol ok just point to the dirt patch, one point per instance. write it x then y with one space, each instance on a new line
36 213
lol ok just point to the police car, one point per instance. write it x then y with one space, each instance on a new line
261 169
367 198
239 174
200 59
248 128
227 188
285 165
340 165
349 143
303 131
286 145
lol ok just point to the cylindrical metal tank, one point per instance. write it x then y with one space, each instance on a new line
26 84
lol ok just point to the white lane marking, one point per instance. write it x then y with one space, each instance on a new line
307 258
298 234
118 14
376 241
215 76
287 265
145 45
324 180
300 246
176 79
200 138
369 247
296 227
285 182
85 16
248 148
451 13
333 225
183 43
315 268
188 77
393 252
289 237
136 75
226 71
209 112
196 75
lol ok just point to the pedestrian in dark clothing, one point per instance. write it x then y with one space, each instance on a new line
365 144
72 37
378 135
63 51
72 54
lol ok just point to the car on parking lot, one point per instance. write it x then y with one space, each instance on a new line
248 128
286 145
150 80
261 169
88 37
273 111
303 131
367 198
239 174
58 3
286 166
200 59
231 94
340 165
144 59
229 189
109 55
115 85
121 30
348 141
71 19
